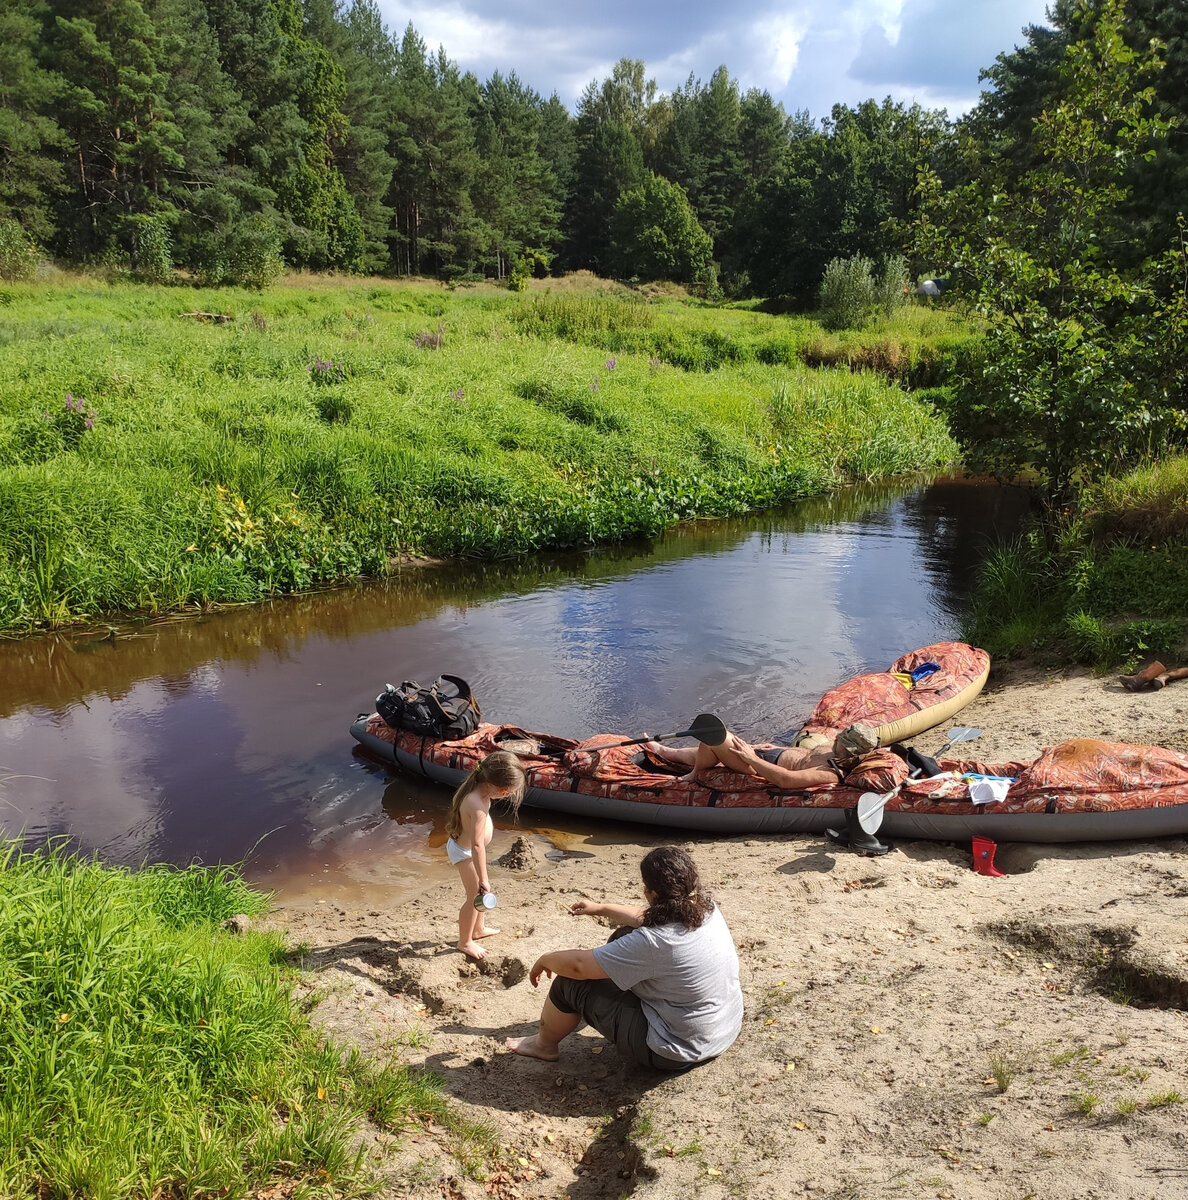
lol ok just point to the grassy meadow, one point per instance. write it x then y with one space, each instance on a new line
153 459
147 1052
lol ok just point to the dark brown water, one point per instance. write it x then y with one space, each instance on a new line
223 738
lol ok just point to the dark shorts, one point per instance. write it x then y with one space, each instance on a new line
772 756
616 1014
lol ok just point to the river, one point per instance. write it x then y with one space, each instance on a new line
222 737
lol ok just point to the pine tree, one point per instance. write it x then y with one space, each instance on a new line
123 138
515 190
359 44
432 143
31 141
611 122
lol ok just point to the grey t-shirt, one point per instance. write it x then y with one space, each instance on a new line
687 980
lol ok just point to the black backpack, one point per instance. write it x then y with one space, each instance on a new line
430 711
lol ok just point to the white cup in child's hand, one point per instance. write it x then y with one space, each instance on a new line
485 900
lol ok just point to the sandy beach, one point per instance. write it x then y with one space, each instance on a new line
912 1028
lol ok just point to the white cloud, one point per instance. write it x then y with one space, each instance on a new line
807 54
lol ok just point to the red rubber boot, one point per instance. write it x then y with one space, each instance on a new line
983 857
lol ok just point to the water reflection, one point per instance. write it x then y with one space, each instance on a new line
224 736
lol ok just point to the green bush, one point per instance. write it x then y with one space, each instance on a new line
891 287
847 294
152 249
655 235
18 254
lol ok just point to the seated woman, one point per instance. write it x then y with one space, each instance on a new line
664 989
788 767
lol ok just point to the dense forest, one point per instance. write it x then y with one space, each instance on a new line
232 137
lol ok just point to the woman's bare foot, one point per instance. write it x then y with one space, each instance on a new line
530 1047
485 931
473 952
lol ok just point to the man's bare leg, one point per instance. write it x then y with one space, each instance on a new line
554 1027
681 756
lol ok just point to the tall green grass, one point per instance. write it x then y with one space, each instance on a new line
145 1052
1105 584
150 460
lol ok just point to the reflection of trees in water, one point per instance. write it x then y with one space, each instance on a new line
955 524
58 670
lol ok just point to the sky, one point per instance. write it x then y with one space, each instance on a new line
809 54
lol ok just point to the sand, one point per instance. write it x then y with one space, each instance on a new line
912 1028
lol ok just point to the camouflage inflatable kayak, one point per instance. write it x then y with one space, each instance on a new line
919 690
1081 790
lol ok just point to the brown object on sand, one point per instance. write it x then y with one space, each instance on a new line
1169 677
1144 678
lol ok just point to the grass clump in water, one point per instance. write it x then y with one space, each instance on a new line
146 1052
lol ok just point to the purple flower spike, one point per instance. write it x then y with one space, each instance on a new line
611 364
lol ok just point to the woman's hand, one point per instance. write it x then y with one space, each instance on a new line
585 908
539 968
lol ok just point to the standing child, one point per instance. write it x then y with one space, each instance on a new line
469 829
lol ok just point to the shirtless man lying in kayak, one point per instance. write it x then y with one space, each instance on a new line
788 767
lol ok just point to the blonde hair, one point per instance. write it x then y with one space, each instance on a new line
499 770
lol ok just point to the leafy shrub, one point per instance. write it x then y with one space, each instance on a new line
891 287
847 293
517 277
655 235
152 249
254 254
18 254
246 253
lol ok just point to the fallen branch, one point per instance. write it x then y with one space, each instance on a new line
217 318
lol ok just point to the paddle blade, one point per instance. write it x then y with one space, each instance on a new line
870 810
708 729
963 733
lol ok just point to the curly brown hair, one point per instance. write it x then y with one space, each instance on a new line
671 876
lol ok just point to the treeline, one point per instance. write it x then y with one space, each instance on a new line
232 137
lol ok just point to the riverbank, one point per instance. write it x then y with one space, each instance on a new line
164 448
912 1027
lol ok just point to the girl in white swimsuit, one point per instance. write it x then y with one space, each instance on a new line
469 830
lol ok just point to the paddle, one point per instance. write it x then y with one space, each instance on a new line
871 804
705 728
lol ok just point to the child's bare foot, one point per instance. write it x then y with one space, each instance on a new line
486 931
530 1047
473 952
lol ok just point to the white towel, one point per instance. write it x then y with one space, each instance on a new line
989 791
